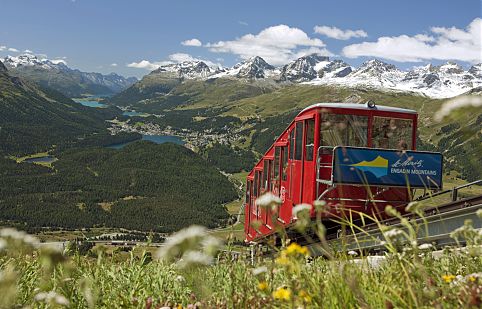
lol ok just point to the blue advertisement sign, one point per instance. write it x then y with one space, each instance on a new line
384 167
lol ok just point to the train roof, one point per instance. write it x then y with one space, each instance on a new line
359 106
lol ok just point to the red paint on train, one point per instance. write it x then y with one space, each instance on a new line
298 166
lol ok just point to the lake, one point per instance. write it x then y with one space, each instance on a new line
134 113
158 139
46 159
90 102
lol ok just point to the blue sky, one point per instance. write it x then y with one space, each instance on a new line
92 35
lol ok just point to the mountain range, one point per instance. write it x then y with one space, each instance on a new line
70 82
443 81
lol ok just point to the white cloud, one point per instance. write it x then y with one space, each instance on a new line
113 64
444 44
144 64
57 61
14 50
28 51
243 23
192 42
2 47
173 58
336 33
276 44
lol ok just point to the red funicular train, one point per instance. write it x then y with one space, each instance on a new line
300 166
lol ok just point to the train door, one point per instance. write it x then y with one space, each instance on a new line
284 212
296 177
248 206
308 173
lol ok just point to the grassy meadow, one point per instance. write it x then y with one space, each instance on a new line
194 269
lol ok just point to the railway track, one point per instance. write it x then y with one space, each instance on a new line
434 227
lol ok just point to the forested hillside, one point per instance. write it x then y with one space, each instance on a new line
34 119
143 186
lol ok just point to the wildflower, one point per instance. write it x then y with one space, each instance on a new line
473 277
282 293
425 247
3 244
392 234
295 249
304 296
300 208
414 207
282 260
320 206
260 270
391 211
268 199
457 103
448 278
263 285
352 253
52 297
193 258
479 213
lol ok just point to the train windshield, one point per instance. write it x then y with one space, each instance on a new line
392 133
343 130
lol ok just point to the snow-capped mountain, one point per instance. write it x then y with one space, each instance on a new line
303 69
188 69
444 81
71 82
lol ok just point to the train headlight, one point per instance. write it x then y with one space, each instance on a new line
371 104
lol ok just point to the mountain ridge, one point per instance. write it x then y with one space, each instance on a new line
442 81
70 82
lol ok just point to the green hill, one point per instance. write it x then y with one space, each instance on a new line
34 119
143 186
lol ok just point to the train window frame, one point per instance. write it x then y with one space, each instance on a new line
267 163
344 123
382 126
276 176
309 139
299 126
284 163
292 144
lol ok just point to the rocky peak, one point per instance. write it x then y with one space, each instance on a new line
303 68
336 68
476 70
375 67
2 67
450 68
254 67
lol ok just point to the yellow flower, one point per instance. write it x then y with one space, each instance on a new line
282 293
262 285
282 259
305 296
448 278
472 278
294 249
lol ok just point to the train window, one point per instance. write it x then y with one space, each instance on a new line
248 192
266 172
255 191
343 130
275 177
310 139
299 140
292 144
392 133
284 164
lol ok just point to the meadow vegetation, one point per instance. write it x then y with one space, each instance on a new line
191 272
